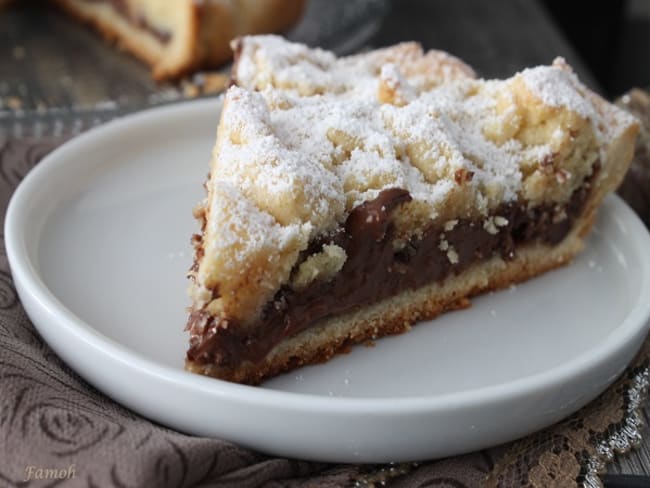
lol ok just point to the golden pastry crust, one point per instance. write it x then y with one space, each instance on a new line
200 31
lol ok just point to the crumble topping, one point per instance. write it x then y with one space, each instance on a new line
320 266
559 88
271 61
320 136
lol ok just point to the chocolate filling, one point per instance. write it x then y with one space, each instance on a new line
374 270
138 20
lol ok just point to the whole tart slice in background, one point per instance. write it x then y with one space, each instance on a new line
178 36
350 198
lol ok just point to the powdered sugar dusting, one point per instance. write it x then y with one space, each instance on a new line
252 250
558 86
395 85
318 139
272 166
270 60
244 229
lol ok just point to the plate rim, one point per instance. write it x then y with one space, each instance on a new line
30 282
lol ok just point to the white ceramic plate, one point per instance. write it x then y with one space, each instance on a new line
98 240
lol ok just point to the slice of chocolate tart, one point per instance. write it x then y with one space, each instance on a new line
350 198
176 37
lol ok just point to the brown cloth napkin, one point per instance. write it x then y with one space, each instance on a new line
57 430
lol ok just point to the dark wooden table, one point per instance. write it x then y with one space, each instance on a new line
51 66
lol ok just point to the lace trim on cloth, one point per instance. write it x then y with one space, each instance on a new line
576 451
573 453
